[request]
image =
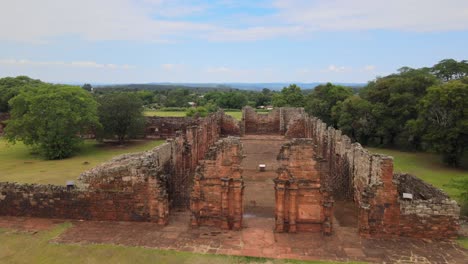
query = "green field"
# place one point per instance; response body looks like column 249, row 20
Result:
column 236, row 114
column 17, row 164
column 427, row 166
column 22, row 247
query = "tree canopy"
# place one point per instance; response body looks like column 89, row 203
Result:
column 121, row 116
column 289, row 96
column 11, row 86
column 51, row 118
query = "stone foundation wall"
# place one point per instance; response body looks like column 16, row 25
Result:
column 430, row 213
column 137, row 187
column 216, row 197
column 366, row 178
column 166, row 127
column 274, row 122
column 303, row 203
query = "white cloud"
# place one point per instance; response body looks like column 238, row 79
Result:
column 406, row 15
column 81, row 64
column 166, row 21
column 370, row 68
column 334, row 68
column 172, row 66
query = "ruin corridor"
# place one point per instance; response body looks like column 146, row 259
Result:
column 259, row 192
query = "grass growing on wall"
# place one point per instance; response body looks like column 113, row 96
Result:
column 17, row 164
column 22, row 247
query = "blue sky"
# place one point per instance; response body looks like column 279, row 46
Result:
column 138, row 41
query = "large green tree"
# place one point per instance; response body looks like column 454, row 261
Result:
column 121, row 116
column 355, row 118
column 450, row 69
column 444, row 119
column 321, row 100
column 289, row 96
column 51, row 118
column 394, row 99
column 11, row 86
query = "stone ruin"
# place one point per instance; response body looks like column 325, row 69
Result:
column 198, row 169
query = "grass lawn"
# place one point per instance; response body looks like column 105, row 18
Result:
column 427, row 166
column 22, row 247
column 164, row 113
column 236, row 114
column 17, row 164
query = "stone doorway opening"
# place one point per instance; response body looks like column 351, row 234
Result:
column 259, row 193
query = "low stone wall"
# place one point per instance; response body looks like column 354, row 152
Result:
column 166, row 127
column 216, row 197
column 430, row 213
column 366, row 178
column 303, row 203
column 134, row 187
column 127, row 188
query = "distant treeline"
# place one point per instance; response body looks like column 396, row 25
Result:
column 422, row 109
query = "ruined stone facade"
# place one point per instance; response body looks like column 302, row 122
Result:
column 368, row 179
column 198, row 170
column 303, row 202
column 216, row 198
column 166, row 127
column 274, row 122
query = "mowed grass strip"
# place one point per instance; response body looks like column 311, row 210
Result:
column 23, row 247
column 427, row 166
column 236, row 114
column 17, row 164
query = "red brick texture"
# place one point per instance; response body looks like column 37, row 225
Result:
column 302, row 202
column 136, row 187
column 217, row 194
column 353, row 173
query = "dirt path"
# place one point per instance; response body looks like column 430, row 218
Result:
column 259, row 192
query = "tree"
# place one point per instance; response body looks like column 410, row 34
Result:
column 197, row 111
column 450, row 69
column 51, row 119
column 444, row 118
column 232, row 100
column 321, row 100
column 355, row 118
column 290, row 96
column 87, row 87
column 121, row 116
column 394, row 99
column 10, row 87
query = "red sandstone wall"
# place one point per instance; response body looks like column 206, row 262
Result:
column 139, row 187
column 216, row 197
column 166, row 127
column 302, row 202
column 230, row 126
column 255, row 123
column 368, row 179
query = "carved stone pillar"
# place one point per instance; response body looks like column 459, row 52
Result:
column 293, row 189
column 225, row 203
column 237, row 203
column 280, row 195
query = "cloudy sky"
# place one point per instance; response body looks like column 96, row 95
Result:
column 122, row 41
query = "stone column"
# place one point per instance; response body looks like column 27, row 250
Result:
column 237, row 203
column 225, row 203
column 293, row 189
column 279, row 214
